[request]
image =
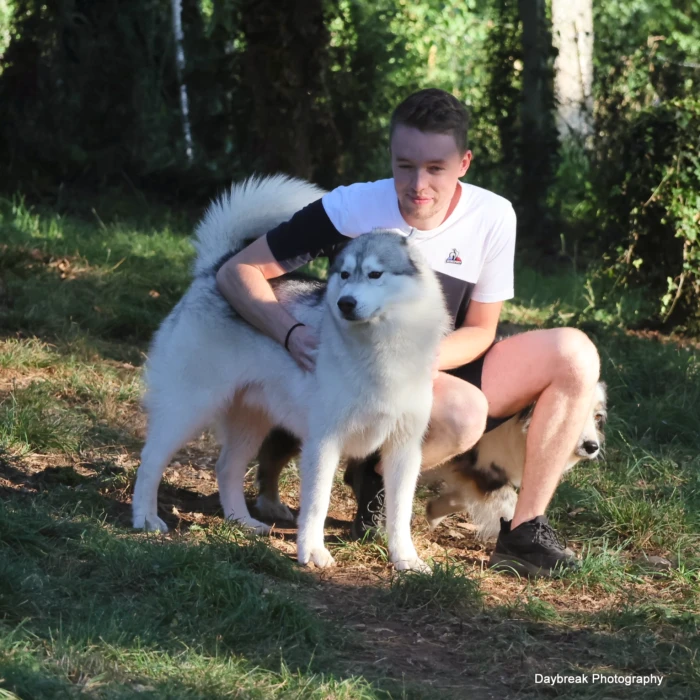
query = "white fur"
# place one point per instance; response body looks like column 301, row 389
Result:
column 372, row 387
column 504, row 446
column 268, row 201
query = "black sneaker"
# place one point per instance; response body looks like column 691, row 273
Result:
column 532, row 549
column 368, row 487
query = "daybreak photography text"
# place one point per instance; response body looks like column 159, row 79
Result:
column 593, row 678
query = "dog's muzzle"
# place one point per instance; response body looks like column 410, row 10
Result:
column 347, row 305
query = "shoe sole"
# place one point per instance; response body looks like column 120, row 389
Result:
column 509, row 563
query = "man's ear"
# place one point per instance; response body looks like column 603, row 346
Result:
column 466, row 162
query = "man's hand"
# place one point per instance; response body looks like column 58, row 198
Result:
column 303, row 344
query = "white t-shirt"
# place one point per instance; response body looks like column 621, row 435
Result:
column 475, row 244
column 472, row 251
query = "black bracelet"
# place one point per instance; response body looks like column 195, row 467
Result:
column 289, row 332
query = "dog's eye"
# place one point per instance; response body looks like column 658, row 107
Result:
column 600, row 419
column 374, row 275
column 344, row 275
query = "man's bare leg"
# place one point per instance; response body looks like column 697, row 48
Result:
column 558, row 368
column 457, row 420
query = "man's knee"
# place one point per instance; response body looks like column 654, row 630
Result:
column 577, row 357
column 462, row 416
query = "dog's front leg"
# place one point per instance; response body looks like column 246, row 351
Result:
column 319, row 460
column 401, row 465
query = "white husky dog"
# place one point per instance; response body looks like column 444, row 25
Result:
column 380, row 320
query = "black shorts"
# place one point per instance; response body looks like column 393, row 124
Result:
column 471, row 373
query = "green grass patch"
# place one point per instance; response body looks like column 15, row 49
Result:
column 64, row 416
column 82, row 607
column 447, row 588
column 114, row 280
column 33, row 419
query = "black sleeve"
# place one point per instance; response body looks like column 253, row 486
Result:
column 307, row 235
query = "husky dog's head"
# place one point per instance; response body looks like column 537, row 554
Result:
column 592, row 439
column 372, row 274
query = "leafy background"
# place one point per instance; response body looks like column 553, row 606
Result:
column 89, row 98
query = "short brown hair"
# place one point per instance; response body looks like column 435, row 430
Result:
column 434, row 111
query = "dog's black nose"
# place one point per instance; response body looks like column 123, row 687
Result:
column 347, row 305
column 591, row 446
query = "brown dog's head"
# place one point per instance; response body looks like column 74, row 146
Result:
column 590, row 444
column 592, row 439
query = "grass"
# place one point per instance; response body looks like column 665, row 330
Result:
column 89, row 608
column 448, row 587
column 85, row 607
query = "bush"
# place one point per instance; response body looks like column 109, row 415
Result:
column 646, row 170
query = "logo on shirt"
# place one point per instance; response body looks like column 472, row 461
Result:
column 453, row 257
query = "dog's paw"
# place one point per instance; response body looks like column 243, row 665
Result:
column 273, row 511
column 319, row 557
column 433, row 522
column 412, row 564
column 149, row 523
column 430, row 515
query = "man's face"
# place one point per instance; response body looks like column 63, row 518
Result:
column 426, row 168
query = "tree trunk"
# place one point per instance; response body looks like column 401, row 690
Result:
column 176, row 6
column 539, row 138
column 284, row 68
column 572, row 24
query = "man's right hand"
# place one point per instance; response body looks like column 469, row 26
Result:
column 303, row 344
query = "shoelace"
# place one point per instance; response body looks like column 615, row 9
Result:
column 376, row 505
column 545, row 535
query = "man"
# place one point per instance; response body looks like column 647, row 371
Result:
column 468, row 236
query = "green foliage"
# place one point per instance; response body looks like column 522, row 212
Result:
column 382, row 51
column 646, row 163
column 500, row 114
column 661, row 247
column 6, row 9
column 88, row 91
column 91, row 95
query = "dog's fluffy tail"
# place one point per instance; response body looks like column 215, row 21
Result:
column 247, row 211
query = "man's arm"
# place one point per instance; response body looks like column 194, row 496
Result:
column 243, row 279
column 495, row 284
column 473, row 338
